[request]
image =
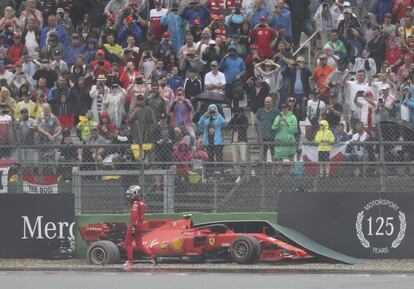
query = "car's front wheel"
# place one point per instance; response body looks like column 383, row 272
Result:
column 103, row 252
column 245, row 250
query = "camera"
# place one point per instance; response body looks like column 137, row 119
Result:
column 381, row 100
column 211, row 112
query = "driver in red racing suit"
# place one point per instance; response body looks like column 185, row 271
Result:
column 134, row 196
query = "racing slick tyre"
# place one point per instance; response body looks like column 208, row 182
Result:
column 245, row 250
column 103, row 252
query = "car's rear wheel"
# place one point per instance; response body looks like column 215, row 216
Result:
column 103, row 252
column 245, row 250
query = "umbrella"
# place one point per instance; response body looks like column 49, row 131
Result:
column 213, row 97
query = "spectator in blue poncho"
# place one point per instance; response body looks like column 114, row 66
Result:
column 71, row 51
column 175, row 26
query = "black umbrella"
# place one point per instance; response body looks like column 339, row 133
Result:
column 212, row 97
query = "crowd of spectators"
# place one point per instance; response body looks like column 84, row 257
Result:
column 130, row 72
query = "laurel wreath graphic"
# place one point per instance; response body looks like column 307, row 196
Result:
column 401, row 234
column 360, row 234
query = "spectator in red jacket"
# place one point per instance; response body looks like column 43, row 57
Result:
column 100, row 66
column 15, row 51
column 106, row 127
column 262, row 35
column 182, row 154
column 129, row 75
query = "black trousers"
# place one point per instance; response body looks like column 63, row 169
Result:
column 215, row 154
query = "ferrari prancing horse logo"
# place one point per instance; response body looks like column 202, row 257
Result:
column 211, row 241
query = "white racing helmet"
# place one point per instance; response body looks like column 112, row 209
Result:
column 134, row 192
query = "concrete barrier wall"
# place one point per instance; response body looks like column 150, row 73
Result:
column 83, row 220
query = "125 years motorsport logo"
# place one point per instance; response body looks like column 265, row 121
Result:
column 381, row 226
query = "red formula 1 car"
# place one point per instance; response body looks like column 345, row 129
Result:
column 179, row 240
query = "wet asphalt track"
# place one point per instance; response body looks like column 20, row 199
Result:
column 183, row 280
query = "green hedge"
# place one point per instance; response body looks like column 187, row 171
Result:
column 83, row 220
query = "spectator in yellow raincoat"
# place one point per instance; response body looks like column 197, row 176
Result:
column 324, row 139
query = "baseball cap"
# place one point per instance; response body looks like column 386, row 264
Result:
column 166, row 34
column 163, row 116
column 235, row 35
column 179, row 89
column 214, row 63
column 323, row 55
column 24, row 110
column 101, row 77
column 232, row 47
column 140, row 97
column 284, row 104
column 348, row 10
column 100, row 52
column 60, row 10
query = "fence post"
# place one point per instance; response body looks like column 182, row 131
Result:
column 263, row 171
column 215, row 196
column 76, row 189
column 381, row 159
column 169, row 191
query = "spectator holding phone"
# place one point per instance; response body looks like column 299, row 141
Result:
column 366, row 105
column 285, row 126
column 313, row 112
column 211, row 124
column 100, row 66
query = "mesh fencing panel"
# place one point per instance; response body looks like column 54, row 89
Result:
column 189, row 175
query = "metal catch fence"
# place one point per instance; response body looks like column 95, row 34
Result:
column 233, row 177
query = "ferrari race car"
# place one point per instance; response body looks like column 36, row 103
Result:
column 179, row 240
